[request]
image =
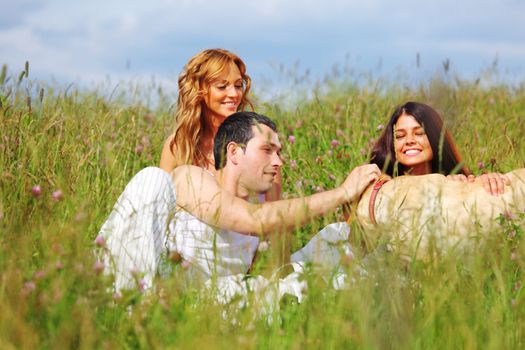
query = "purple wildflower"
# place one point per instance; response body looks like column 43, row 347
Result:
column 98, row 267
column 185, row 264
column 139, row 149
column 141, row 285
column 57, row 195
column 28, row 287
column 100, row 241
column 36, row 191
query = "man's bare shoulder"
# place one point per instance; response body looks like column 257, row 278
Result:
column 187, row 169
column 193, row 171
column 194, row 177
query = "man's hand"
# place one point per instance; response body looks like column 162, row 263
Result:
column 359, row 179
column 493, row 183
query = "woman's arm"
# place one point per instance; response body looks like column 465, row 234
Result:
column 199, row 193
column 167, row 160
column 493, row 183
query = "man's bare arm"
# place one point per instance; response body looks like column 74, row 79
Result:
column 200, row 194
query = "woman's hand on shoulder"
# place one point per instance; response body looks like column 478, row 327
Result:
column 461, row 177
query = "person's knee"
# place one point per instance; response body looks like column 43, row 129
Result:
column 149, row 173
column 150, row 184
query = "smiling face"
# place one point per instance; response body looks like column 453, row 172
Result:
column 412, row 147
column 260, row 161
column 224, row 94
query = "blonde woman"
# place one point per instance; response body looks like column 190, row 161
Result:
column 213, row 85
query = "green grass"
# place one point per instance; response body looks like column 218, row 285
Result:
column 89, row 146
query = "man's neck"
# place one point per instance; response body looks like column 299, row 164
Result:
column 230, row 182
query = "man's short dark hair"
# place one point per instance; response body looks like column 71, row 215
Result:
column 237, row 128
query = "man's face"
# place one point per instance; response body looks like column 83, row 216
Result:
column 260, row 161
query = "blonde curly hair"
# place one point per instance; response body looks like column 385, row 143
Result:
column 194, row 81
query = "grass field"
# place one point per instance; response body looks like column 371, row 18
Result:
column 67, row 153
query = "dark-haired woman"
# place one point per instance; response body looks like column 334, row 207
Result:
column 414, row 142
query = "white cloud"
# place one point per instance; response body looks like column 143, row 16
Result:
column 88, row 40
column 476, row 47
column 28, row 47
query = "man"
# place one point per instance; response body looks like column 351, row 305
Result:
column 421, row 213
column 246, row 152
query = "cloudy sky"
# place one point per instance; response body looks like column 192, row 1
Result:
column 87, row 41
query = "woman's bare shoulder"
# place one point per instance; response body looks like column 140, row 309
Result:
column 167, row 159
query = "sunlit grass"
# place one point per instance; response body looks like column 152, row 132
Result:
column 88, row 145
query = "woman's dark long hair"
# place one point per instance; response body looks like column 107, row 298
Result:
column 446, row 159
